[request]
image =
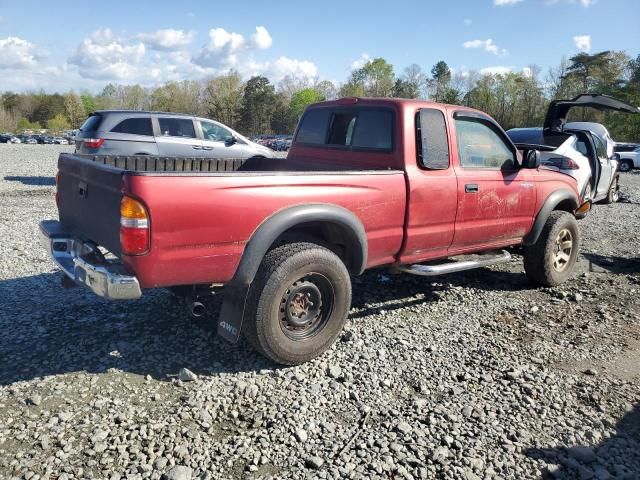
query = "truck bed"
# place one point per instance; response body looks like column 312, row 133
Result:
column 203, row 211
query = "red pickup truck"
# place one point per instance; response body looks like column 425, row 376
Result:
column 413, row 185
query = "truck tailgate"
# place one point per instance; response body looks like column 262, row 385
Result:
column 89, row 196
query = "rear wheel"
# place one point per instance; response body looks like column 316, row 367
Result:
column 550, row 261
column 298, row 303
column 613, row 195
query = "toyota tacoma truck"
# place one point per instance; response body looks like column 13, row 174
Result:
column 420, row 187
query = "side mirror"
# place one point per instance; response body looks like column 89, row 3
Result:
column 532, row 159
column 232, row 140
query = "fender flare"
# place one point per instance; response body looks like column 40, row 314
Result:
column 549, row 205
column 235, row 294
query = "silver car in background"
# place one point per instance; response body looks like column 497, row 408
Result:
column 134, row 132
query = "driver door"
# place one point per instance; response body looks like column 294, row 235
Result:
column 496, row 198
column 219, row 142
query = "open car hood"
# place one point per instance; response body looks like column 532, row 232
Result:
column 558, row 109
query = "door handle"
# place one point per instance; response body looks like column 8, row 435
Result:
column 471, row 188
column 196, row 147
column 207, row 148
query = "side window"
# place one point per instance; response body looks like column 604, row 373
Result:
column 432, row 142
column 134, row 126
column 214, row 132
column 601, row 150
column 176, row 127
column 480, row 147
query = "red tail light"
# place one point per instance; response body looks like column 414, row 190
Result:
column 568, row 164
column 134, row 227
column 93, row 142
column 563, row 163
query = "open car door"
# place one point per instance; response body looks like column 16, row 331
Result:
column 558, row 109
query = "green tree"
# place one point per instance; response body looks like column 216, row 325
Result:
column 74, row 109
column 89, row 103
column 374, row 79
column 302, row 99
column 441, row 77
column 58, row 123
column 223, row 98
column 25, row 124
column 258, row 105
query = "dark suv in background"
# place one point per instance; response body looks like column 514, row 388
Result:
column 132, row 132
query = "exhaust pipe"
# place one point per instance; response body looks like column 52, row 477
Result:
column 197, row 309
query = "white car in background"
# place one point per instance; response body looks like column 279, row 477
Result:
column 583, row 150
column 629, row 156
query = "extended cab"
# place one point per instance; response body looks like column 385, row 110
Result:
column 408, row 184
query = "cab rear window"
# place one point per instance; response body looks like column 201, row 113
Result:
column 351, row 128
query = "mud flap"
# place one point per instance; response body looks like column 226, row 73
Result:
column 232, row 312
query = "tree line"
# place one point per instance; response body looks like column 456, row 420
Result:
column 256, row 106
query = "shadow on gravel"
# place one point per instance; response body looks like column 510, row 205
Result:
column 615, row 457
column 612, row 264
column 394, row 292
column 37, row 181
column 47, row 330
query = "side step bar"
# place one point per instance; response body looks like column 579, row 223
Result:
column 452, row 267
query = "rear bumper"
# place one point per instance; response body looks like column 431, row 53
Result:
column 83, row 263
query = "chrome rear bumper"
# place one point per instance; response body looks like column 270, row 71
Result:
column 83, row 263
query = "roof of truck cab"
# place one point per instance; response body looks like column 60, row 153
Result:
column 411, row 103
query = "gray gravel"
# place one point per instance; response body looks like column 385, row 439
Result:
column 469, row 376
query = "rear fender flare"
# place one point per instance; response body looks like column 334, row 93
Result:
column 549, row 205
column 235, row 294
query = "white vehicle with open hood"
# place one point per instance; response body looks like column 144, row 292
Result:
column 583, row 150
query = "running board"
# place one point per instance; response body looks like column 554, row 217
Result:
column 452, row 267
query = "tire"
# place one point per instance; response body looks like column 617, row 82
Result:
column 613, row 195
column 542, row 261
column 625, row 166
column 298, row 303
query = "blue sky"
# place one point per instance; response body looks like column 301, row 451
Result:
column 78, row 45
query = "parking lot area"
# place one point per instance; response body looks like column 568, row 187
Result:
column 469, row 376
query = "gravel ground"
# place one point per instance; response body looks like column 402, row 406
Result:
column 469, row 376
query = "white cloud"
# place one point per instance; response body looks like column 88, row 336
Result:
column 16, row 53
column 497, row 70
column 230, row 50
column 104, row 56
column 527, row 72
column 261, row 39
column 167, row 39
column 583, row 42
column 467, row 21
column 486, row 45
column 360, row 62
column 502, row 3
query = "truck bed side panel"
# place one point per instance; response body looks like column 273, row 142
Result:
column 201, row 223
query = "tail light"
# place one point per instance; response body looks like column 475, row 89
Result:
column 564, row 163
column 134, row 227
column 93, row 142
